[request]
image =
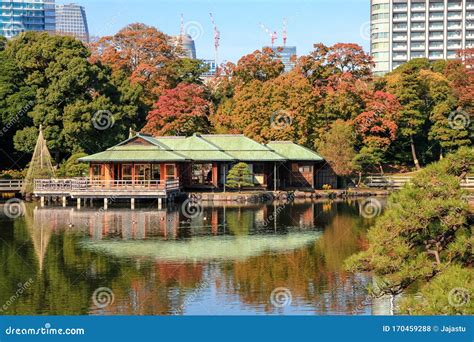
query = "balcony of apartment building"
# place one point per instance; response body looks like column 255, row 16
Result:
column 417, row 46
column 452, row 54
column 418, row 26
column 417, row 54
column 418, row 36
column 454, row 34
column 400, row 8
column 436, row 35
column 400, row 27
column 399, row 46
column 399, row 37
column 455, row 6
column 436, row 26
column 418, row 7
column 454, row 45
column 435, row 55
column 454, row 25
column 417, row 17
column 469, row 34
column 436, row 7
column 455, row 15
column 436, row 47
column 436, row 16
column 399, row 56
column 400, row 17
column 470, row 15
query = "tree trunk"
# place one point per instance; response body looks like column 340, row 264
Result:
column 413, row 153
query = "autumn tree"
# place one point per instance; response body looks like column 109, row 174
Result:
column 183, row 110
column 377, row 124
column 337, row 146
column 279, row 109
column 143, row 53
column 260, row 65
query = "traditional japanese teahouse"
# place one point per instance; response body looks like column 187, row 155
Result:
column 203, row 161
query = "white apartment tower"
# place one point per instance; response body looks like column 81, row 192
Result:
column 402, row 30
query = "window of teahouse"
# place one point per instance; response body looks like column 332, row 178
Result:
column 127, row 172
column 155, row 171
column 170, row 171
column 142, row 172
column 98, row 172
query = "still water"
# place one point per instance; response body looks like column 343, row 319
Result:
column 221, row 260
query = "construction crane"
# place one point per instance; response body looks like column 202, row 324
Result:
column 217, row 37
column 181, row 30
column 284, row 32
column 273, row 35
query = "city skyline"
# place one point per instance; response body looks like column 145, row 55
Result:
column 309, row 22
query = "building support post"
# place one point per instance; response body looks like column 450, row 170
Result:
column 42, row 201
column 106, row 203
column 64, row 202
column 160, row 203
column 132, row 203
column 275, row 176
column 78, row 203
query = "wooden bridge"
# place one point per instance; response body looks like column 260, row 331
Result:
column 397, row 182
column 12, row 186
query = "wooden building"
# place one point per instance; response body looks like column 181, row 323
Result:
column 203, row 161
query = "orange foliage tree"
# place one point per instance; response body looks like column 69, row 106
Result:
column 182, row 110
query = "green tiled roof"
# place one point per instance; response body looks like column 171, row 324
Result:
column 201, row 148
column 292, row 151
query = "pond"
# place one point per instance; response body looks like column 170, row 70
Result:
column 232, row 259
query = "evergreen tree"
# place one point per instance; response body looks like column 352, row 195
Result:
column 239, row 176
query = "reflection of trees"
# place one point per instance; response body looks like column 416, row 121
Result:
column 313, row 275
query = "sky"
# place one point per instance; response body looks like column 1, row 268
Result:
column 308, row 21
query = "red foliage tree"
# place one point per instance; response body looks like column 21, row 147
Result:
column 183, row 110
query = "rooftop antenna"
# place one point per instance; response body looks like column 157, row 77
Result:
column 273, row 35
column 284, row 33
column 217, row 37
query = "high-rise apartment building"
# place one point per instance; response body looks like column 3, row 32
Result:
column 18, row 16
column 402, row 30
column 71, row 20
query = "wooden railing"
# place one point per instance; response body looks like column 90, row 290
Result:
column 399, row 181
column 87, row 185
column 10, row 185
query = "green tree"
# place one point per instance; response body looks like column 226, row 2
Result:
column 337, row 146
column 73, row 168
column 423, row 232
column 72, row 98
column 239, row 176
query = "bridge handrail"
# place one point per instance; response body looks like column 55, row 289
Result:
column 85, row 184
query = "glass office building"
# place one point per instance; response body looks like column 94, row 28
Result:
column 287, row 54
column 71, row 20
column 402, row 30
column 18, row 16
